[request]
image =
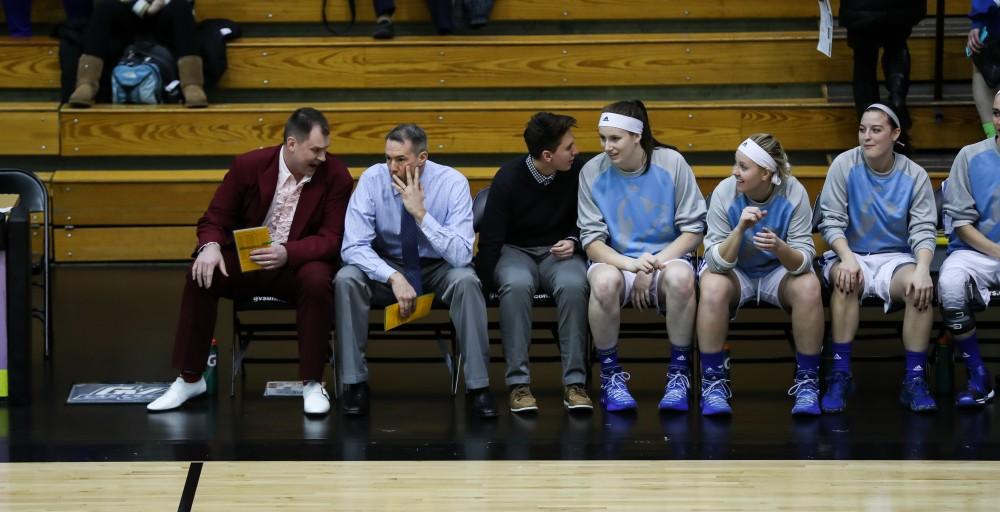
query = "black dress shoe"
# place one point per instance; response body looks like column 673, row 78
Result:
column 481, row 403
column 356, row 399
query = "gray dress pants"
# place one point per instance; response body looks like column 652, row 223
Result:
column 354, row 295
column 520, row 273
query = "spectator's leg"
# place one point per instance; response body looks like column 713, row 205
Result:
column 983, row 95
column 196, row 322
column 108, row 17
column 441, row 15
column 384, row 9
column 865, row 67
column 459, row 287
column 353, row 295
column 896, row 68
column 566, row 280
column 314, row 305
column 18, row 14
column 517, row 279
column 175, row 26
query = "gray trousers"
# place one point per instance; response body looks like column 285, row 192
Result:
column 520, row 273
column 354, row 295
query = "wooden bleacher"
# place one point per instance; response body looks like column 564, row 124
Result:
column 291, row 11
column 513, row 61
column 122, row 213
column 457, row 127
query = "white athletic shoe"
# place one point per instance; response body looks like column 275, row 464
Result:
column 178, row 393
column 315, row 399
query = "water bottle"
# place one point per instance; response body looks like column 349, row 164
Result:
column 211, row 375
column 944, row 365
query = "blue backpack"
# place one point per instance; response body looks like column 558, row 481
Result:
column 146, row 74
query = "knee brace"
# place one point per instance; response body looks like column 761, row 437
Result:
column 958, row 321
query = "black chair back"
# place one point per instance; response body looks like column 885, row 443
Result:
column 479, row 208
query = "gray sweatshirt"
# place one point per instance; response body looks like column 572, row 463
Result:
column 788, row 216
column 878, row 213
column 972, row 193
column 639, row 212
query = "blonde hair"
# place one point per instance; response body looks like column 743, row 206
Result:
column 770, row 144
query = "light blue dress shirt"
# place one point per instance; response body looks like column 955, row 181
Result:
column 371, row 228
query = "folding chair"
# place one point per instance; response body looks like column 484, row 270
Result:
column 33, row 193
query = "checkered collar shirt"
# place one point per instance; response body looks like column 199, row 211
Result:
column 539, row 177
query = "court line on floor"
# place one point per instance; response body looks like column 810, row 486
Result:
column 190, row 486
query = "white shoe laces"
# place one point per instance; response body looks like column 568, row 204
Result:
column 717, row 393
column 615, row 385
column 805, row 390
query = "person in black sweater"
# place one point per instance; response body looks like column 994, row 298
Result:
column 885, row 24
column 529, row 242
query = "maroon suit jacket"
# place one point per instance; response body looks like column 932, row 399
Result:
column 245, row 195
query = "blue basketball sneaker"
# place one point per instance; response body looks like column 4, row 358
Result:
column 675, row 393
column 806, row 393
column 980, row 389
column 614, row 391
column 838, row 385
column 715, row 395
column 917, row 395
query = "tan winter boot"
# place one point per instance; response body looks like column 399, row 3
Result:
column 88, row 76
column 192, row 81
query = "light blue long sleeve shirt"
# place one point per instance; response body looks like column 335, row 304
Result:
column 371, row 228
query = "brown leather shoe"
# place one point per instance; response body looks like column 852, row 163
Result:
column 521, row 399
column 575, row 398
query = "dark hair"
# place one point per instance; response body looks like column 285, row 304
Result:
column 300, row 124
column 545, row 131
column 635, row 109
column 409, row 132
column 901, row 145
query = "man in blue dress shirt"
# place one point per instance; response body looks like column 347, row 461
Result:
column 409, row 231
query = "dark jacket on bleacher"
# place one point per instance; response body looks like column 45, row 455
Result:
column 522, row 212
column 872, row 14
column 245, row 195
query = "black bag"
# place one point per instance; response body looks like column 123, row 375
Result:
column 987, row 61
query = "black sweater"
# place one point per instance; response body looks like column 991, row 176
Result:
column 520, row 211
column 875, row 14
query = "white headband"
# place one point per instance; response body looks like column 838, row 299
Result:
column 629, row 124
column 754, row 152
column 888, row 111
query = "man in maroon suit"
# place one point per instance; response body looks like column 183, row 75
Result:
column 300, row 193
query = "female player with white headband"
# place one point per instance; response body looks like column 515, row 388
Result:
column 877, row 212
column 640, row 215
column 759, row 247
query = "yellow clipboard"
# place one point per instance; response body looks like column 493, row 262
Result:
column 420, row 310
column 248, row 240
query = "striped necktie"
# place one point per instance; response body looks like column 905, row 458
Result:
column 408, row 237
